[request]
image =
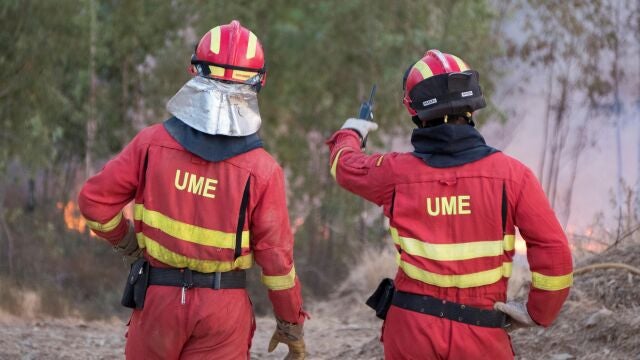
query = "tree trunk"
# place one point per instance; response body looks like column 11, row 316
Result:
column 92, row 122
column 618, row 119
column 545, row 139
column 557, row 143
column 7, row 233
column 579, row 146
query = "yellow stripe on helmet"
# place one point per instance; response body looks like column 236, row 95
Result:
column 424, row 69
column 215, row 40
column 252, row 45
column 243, row 75
column 461, row 64
column 216, row 70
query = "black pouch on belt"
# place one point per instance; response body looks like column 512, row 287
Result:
column 380, row 300
column 135, row 289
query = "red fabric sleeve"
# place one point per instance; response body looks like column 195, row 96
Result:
column 548, row 252
column 272, row 243
column 105, row 194
column 365, row 175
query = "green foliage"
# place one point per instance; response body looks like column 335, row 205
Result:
column 40, row 80
column 322, row 59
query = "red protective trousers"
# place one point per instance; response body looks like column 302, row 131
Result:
column 210, row 324
column 454, row 230
column 186, row 215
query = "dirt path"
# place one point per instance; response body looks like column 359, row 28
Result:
column 585, row 330
column 600, row 320
column 330, row 337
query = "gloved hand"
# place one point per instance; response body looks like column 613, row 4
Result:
column 518, row 313
column 361, row 126
column 293, row 336
column 128, row 247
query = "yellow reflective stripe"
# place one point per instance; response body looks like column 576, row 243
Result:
column 243, row 75
column 216, row 70
column 108, row 226
column 453, row 252
column 188, row 232
column 509, row 242
column 551, row 283
column 334, row 166
column 424, row 69
column 215, row 40
column 282, row 282
column 252, row 45
column 481, row 278
column 507, row 269
column 461, row 64
column 394, row 236
column 169, row 257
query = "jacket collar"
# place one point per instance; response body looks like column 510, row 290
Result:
column 207, row 146
column 449, row 145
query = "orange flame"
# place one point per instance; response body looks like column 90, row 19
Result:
column 72, row 217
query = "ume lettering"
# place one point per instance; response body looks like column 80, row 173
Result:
column 195, row 184
column 452, row 205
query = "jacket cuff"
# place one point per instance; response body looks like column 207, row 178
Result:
column 347, row 133
column 544, row 306
column 113, row 231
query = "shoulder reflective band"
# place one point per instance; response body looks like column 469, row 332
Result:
column 453, row 252
column 481, row 278
column 108, row 226
column 334, row 165
column 157, row 251
column 187, row 232
column 551, row 283
column 283, row 282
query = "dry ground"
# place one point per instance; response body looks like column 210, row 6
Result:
column 600, row 320
column 329, row 338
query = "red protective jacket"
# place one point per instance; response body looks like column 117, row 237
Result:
column 186, row 212
column 447, row 225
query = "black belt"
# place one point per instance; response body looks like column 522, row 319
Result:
column 187, row 278
column 450, row 310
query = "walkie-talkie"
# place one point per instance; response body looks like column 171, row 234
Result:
column 366, row 111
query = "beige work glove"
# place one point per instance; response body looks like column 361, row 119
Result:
column 293, row 336
column 128, row 247
column 517, row 312
column 363, row 127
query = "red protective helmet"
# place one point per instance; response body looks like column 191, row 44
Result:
column 230, row 53
column 441, row 84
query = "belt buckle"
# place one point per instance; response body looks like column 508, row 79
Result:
column 217, row 280
column 187, row 278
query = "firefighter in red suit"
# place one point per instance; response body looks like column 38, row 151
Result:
column 453, row 206
column 208, row 201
